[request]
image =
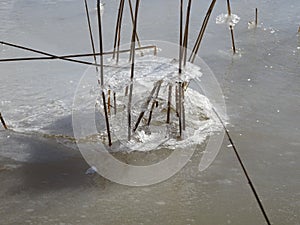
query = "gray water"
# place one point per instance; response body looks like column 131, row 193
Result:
column 42, row 176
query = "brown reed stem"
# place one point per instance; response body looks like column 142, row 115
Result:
column 186, row 32
column 119, row 32
column 64, row 57
column 101, row 72
column 179, row 108
column 201, row 32
column 169, row 103
column 256, row 17
column 108, row 101
column 132, row 21
column 154, row 102
column 228, row 8
column 119, row 19
column 183, row 108
column 3, row 122
column 90, row 32
column 180, row 37
column 115, row 103
column 146, row 104
column 232, row 39
column 132, row 53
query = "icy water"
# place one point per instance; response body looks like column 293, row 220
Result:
column 42, row 175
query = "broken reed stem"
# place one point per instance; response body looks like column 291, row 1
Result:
column 299, row 29
column 3, row 122
column 120, row 12
column 176, row 100
column 256, row 17
column 65, row 57
column 90, row 32
column 232, row 39
column 51, row 56
column 145, row 105
column 115, row 103
column 119, row 32
column 169, row 103
column 186, row 31
column 201, row 32
column 154, row 102
column 101, row 72
column 132, row 53
column 108, row 101
column 228, row 8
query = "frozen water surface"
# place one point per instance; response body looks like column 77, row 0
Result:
column 42, row 175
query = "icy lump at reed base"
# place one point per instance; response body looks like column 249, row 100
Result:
column 150, row 71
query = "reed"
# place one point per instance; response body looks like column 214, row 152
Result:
column 232, row 39
column 108, row 102
column 180, row 37
column 182, row 107
column 154, row 103
column 186, row 32
column 146, row 104
column 201, row 32
column 101, row 72
column 118, row 26
column 90, row 32
column 169, row 103
column 73, row 55
column 132, row 53
column 231, row 28
column 3, row 122
column 115, row 103
column 256, row 16
column 132, row 21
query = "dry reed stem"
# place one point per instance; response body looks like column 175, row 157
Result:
column 3, row 122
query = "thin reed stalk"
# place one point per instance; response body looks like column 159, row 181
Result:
column 145, row 105
column 201, row 32
column 115, row 103
column 118, row 26
column 90, row 32
column 256, row 16
column 132, row 21
column 228, row 8
column 232, row 39
column 186, row 32
column 3, row 122
column 179, row 108
column 154, row 102
column 169, row 103
column 132, row 53
column 101, row 73
column 180, row 37
column 74, row 55
column 182, row 107
column 108, row 101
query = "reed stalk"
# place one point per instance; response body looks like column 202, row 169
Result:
column 101, row 72
column 228, row 8
column 90, row 32
column 146, row 104
column 118, row 26
column 186, row 32
column 3, row 122
column 169, row 103
column 64, row 57
column 132, row 53
column 154, row 103
column 232, row 39
column 256, row 17
column 115, row 103
column 201, row 32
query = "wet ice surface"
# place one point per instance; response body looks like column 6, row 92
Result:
column 44, row 182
